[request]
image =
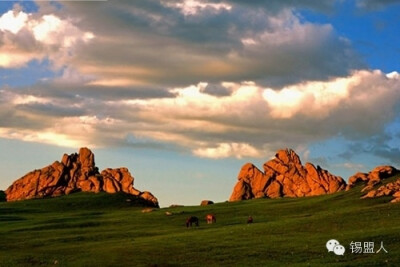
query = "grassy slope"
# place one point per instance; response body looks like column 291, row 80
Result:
column 105, row 230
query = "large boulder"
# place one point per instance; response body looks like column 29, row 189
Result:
column 285, row 176
column 75, row 173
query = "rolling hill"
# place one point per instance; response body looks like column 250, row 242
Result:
column 87, row 229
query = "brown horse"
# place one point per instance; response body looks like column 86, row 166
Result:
column 210, row 218
column 191, row 220
column 250, row 219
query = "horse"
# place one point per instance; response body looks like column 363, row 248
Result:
column 210, row 218
column 191, row 220
column 250, row 219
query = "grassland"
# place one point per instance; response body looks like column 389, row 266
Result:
column 105, row 230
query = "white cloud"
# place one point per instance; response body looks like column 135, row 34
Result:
column 319, row 97
column 20, row 99
column 13, row 21
column 193, row 7
column 27, row 99
column 48, row 25
column 48, row 36
column 45, row 137
column 51, row 30
column 225, row 150
column 66, row 132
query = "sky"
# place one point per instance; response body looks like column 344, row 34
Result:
column 184, row 92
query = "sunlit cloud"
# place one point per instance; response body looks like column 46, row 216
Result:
column 193, row 7
column 319, row 97
column 13, row 21
column 225, row 150
column 246, row 123
column 66, row 132
column 26, row 36
column 45, row 137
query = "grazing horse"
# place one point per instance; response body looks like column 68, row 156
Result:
column 250, row 219
column 210, row 218
column 191, row 220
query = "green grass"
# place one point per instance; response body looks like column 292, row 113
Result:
column 86, row 229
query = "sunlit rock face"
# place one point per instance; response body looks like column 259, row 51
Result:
column 76, row 172
column 285, row 176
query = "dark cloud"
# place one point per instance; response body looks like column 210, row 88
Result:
column 377, row 145
column 129, row 92
column 52, row 110
column 17, row 120
column 325, row 6
column 376, row 4
column 389, row 153
column 216, row 90
column 173, row 49
column 75, row 93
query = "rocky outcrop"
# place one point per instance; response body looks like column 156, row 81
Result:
column 206, row 202
column 390, row 189
column 76, row 172
column 285, row 176
column 374, row 178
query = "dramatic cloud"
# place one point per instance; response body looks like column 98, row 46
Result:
column 246, row 123
column 176, row 43
column 215, row 78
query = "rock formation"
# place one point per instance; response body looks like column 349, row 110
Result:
column 389, row 189
column 76, row 172
column 206, row 202
column 284, row 176
column 374, row 178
